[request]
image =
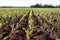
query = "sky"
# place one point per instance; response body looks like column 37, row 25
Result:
column 27, row 2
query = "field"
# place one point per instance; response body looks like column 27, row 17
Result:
column 29, row 23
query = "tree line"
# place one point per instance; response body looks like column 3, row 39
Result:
column 44, row 6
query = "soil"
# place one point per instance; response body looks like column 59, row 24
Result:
column 37, row 33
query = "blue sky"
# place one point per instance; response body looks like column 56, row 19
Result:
column 27, row 2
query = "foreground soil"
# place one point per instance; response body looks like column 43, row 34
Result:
column 39, row 32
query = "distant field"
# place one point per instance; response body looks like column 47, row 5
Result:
column 29, row 23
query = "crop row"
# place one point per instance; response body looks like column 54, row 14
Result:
column 29, row 24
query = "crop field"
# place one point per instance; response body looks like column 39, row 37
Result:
column 29, row 23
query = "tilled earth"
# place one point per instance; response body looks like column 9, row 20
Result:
column 40, row 32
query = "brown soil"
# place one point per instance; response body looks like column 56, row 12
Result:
column 37, row 34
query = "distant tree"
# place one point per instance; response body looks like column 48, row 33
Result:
column 44, row 6
column 59, row 6
column 48, row 6
column 37, row 5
